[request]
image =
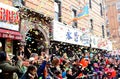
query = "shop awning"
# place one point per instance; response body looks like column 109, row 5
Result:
column 10, row 34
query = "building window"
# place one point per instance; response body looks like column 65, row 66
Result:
column 108, row 33
column 103, row 33
column 18, row 3
column 107, row 21
column 74, row 15
column 118, row 16
column 91, row 23
column 90, row 4
column 119, row 30
column 118, row 5
column 101, row 10
column 57, row 10
column 106, row 8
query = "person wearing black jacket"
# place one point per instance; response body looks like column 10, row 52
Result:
column 70, row 75
column 7, row 69
column 31, row 73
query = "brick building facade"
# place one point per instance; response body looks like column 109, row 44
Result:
column 63, row 12
column 113, row 22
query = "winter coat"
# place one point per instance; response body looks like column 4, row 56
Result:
column 41, row 69
column 8, row 71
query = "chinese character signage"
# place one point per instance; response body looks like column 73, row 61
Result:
column 9, row 17
column 76, row 36
column 85, row 39
column 101, row 43
column 94, row 41
column 68, row 34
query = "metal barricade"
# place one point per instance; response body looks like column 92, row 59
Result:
column 97, row 76
column 92, row 76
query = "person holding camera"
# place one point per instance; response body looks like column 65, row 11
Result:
column 7, row 70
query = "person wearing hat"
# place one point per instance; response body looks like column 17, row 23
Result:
column 8, row 70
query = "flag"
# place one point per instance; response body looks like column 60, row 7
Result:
column 85, row 12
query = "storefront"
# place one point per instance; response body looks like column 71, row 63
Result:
column 66, row 39
column 9, row 28
column 35, row 30
column 100, row 44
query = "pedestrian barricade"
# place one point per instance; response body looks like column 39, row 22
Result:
column 97, row 76
column 92, row 76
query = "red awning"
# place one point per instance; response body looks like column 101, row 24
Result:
column 10, row 34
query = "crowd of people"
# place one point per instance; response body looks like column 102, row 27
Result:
column 44, row 66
